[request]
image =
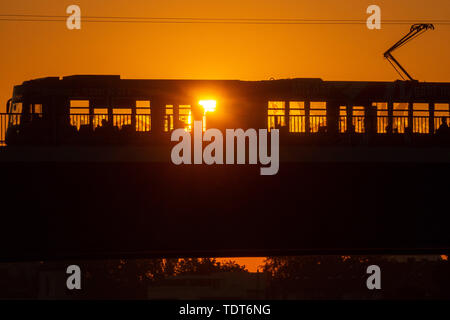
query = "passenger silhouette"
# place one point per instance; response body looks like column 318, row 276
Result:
column 389, row 129
column 106, row 126
column 106, row 132
column 443, row 128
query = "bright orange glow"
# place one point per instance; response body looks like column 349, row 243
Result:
column 208, row 105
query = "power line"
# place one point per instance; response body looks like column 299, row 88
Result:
column 216, row 22
column 191, row 20
column 217, row 19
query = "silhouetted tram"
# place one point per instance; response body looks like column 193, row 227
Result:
column 107, row 109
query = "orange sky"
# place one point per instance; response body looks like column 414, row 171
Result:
column 252, row 264
column 215, row 51
column 38, row 49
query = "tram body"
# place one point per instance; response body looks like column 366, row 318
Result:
column 45, row 110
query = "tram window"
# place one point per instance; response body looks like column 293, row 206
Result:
column 382, row 108
column 16, row 108
column 168, row 118
column 382, row 116
column 297, row 116
column 319, row 107
column 121, row 111
column 37, row 110
column 358, row 110
column 358, row 119
column 420, row 109
column 400, row 119
column 342, row 119
column 100, row 114
column 15, row 113
column 121, row 117
column 143, row 104
column 185, row 116
column 79, row 105
column 79, row 113
column 318, row 115
column 400, row 109
column 297, row 108
column 275, row 114
column 420, row 117
column 143, row 115
column 440, row 110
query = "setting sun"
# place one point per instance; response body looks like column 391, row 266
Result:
column 208, row 105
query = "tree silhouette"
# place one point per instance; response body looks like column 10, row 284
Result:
column 131, row 278
column 206, row 266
